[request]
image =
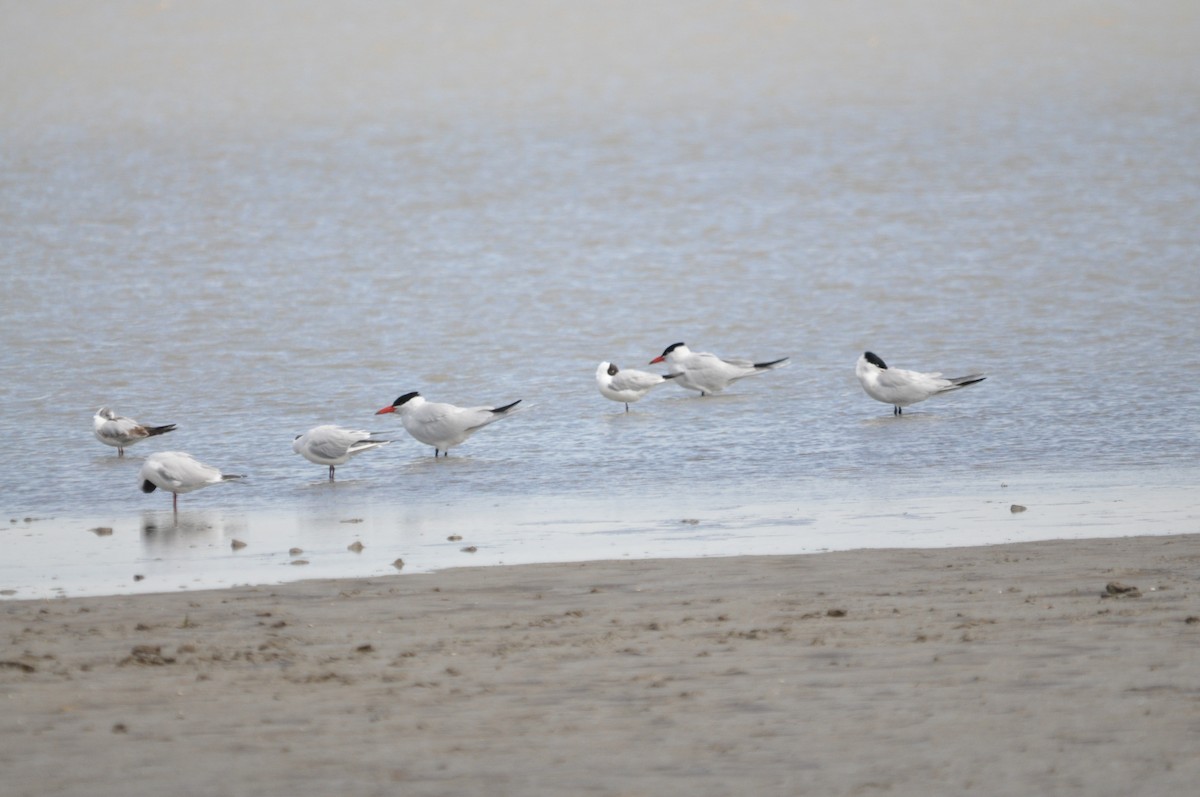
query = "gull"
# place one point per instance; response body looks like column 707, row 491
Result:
column 626, row 386
column 333, row 445
column 119, row 431
column 706, row 372
column 901, row 388
column 177, row 473
column 443, row 426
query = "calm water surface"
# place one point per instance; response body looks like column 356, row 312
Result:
column 252, row 221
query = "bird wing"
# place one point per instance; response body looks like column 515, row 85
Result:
column 433, row 423
column 737, row 362
column 367, row 445
column 635, row 380
column 332, row 442
column 705, row 367
column 911, row 384
column 121, row 428
column 182, row 471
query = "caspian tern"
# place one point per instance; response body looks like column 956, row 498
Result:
column 116, row 430
column 177, row 473
column 901, row 388
column 443, row 426
column 333, row 445
column 626, row 386
column 706, row 372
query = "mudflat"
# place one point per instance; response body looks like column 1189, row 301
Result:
column 1060, row 667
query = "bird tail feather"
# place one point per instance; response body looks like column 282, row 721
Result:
column 958, row 382
column 505, row 408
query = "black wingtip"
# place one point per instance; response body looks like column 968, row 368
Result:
column 505, row 408
column 156, row 430
column 771, row 364
column 148, row 486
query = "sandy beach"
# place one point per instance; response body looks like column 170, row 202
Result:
column 998, row 670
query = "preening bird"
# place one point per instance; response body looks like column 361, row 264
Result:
column 902, row 388
column 627, row 385
column 119, row 431
column 333, row 445
column 178, row 472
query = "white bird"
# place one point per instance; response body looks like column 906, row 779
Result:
column 443, row 426
column 706, row 372
column 177, row 473
column 119, row 431
column 901, row 388
column 333, row 445
column 626, row 386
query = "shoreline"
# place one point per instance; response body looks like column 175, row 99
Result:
column 158, row 552
column 1000, row 669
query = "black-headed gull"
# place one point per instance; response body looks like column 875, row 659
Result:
column 177, row 472
column 443, row 426
column 333, row 445
column 706, row 372
column 902, row 388
column 627, row 385
column 119, row 431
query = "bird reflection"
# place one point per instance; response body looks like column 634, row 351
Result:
column 166, row 530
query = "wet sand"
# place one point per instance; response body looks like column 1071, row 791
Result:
column 997, row 670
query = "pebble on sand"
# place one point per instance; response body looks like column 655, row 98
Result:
column 398, row 564
column 102, row 531
column 355, row 546
column 237, row 545
column 1015, row 508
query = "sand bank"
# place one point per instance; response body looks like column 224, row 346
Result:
column 996, row 670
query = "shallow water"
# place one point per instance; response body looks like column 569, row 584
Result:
column 252, row 221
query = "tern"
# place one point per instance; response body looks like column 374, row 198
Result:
column 443, row 426
column 706, row 372
column 901, row 388
column 116, row 430
column 333, row 445
column 626, row 386
column 177, row 472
